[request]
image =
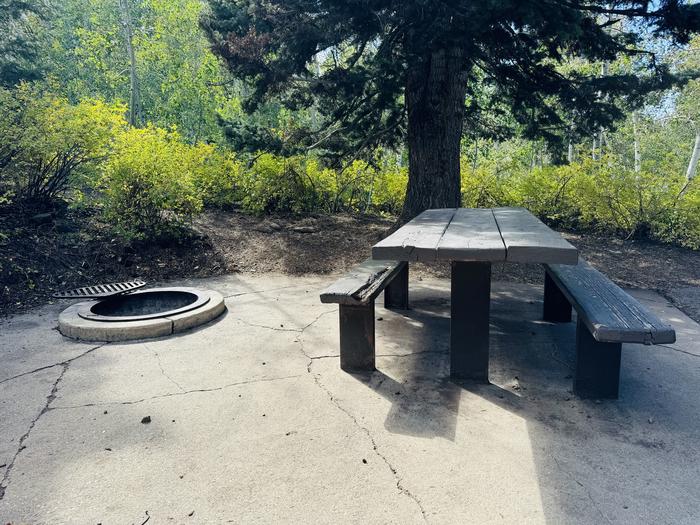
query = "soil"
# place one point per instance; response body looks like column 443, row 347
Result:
column 45, row 254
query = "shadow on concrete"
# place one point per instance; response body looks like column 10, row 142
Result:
column 622, row 460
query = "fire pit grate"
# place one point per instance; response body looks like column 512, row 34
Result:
column 100, row 290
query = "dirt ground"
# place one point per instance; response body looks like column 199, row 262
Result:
column 37, row 259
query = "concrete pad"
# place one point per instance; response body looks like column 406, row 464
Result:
column 252, row 421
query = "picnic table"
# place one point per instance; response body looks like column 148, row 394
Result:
column 472, row 239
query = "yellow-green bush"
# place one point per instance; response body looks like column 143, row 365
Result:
column 486, row 184
column 218, row 178
column 603, row 195
column 302, row 185
column 49, row 146
column 547, row 192
column 272, row 183
column 680, row 222
column 389, row 189
column 148, row 188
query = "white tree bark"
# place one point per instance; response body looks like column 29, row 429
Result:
column 602, row 139
column 637, row 153
column 694, row 158
column 314, row 110
column 135, row 91
column 570, row 152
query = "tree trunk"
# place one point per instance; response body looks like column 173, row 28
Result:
column 135, row 90
column 637, row 153
column 435, row 94
column 693, row 164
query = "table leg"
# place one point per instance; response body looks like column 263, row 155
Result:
column 469, row 325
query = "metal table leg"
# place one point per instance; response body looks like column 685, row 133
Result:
column 469, row 326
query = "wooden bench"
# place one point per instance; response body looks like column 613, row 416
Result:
column 355, row 293
column 606, row 317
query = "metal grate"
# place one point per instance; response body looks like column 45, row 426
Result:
column 100, row 290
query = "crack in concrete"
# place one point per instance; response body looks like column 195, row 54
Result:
column 267, row 327
column 316, row 319
column 679, row 350
column 175, row 394
column 263, row 291
column 4, row 483
column 282, row 328
column 20, row 447
column 316, row 377
column 162, row 370
column 30, row 372
column 553, row 355
column 47, row 367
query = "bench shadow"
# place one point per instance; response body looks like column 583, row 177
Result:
column 413, row 370
column 580, row 449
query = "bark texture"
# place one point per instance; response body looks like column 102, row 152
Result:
column 435, row 94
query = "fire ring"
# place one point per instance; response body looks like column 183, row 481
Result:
column 155, row 312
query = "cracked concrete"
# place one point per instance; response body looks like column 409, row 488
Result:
column 252, row 420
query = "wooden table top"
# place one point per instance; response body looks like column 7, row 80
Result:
column 476, row 234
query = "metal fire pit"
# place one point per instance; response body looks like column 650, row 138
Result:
column 147, row 304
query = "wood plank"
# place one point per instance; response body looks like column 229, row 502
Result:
column 417, row 240
column 363, row 283
column 528, row 240
column 610, row 313
column 472, row 235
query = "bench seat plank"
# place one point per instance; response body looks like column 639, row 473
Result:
column 528, row 240
column 610, row 313
column 472, row 235
column 363, row 283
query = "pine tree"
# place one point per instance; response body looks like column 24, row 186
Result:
column 417, row 69
column 19, row 47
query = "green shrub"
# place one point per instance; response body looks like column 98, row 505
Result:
column 148, row 189
column 218, row 176
column 272, row 183
column 48, row 146
column 303, row 185
column 547, row 192
column 606, row 195
column 389, row 189
column 680, row 222
column 613, row 198
column 487, row 184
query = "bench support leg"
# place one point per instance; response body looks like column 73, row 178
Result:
column 357, row 337
column 396, row 294
column 597, row 366
column 469, row 324
column 557, row 308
